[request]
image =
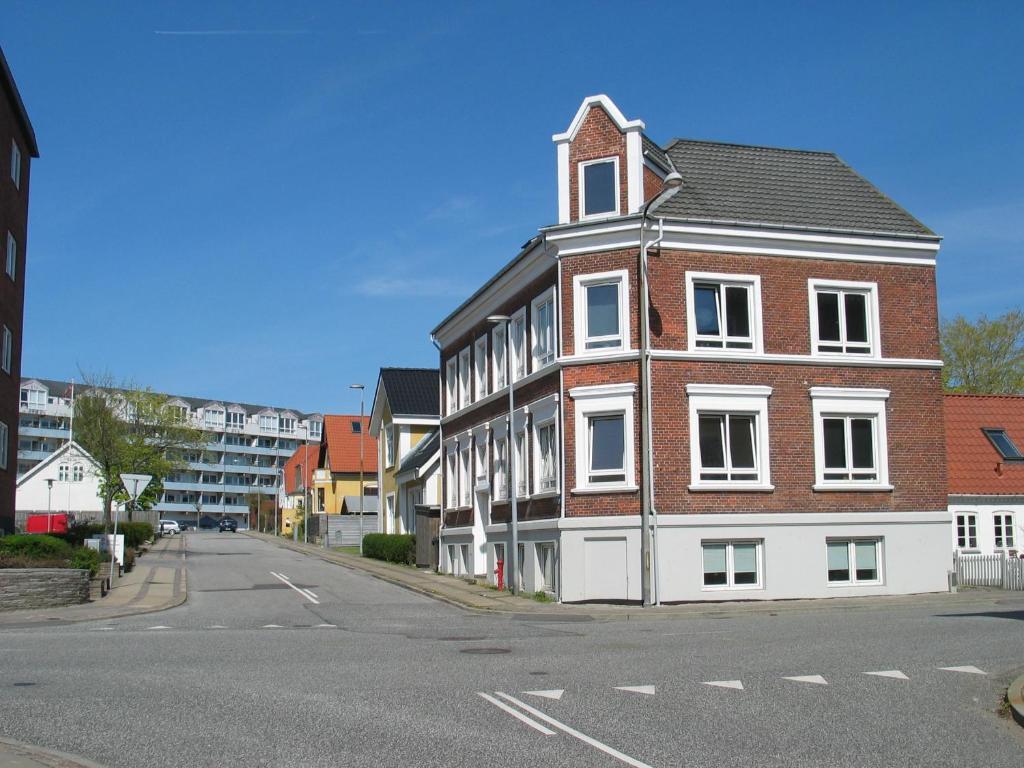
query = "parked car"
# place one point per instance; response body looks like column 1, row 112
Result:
column 186, row 526
column 169, row 527
column 227, row 524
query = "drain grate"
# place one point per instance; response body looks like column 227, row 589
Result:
column 485, row 651
column 23, row 685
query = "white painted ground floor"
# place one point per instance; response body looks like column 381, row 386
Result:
column 716, row 557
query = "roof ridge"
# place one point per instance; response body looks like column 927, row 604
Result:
column 680, row 140
column 985, row 395
column 407, row 368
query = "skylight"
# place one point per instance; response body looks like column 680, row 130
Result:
column 1002, row 442
column 357, row 427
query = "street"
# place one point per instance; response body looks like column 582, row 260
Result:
column 278, row 659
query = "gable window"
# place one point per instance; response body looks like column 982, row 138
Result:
column 1002, row 443
column 517, row 331
column 522, row 479
column 77, row 473
column 480, row 367
column 236, row 420
column 500, row 482
column 601, row 310
column 287, row 425
column 213, row 419
column 33, row 398
column 546, row 457
column 724, row 311
column 599, row 187
column 451, row 384
column 498, row 365
column 315, row 429
column 1003, row 530
column 844, row 318
column 8, row 349
column 63, row 473
column 268, row 423
column 389, row 445
column 15, row 163
column 967, row 531
column 731, row 564
column 604, row 438
column 544, row 329
column 729, row 436
column 850, row 438
column 853, row 561
column 12, row 256
column 465, row 390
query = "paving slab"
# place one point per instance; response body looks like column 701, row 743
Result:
column 15, row 754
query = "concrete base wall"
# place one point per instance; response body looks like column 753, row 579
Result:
column 42, row 587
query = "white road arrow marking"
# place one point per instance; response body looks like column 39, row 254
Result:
column 736, row 684
column 271, row 626
column 331, row 626
column 895, row 674
column 647, row 690
column 969, row 669
column 517, row 714
column 553, row 694
column 158, row 627
column 816, row 679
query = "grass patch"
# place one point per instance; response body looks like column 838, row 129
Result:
column 347, row 550
column 542, row 597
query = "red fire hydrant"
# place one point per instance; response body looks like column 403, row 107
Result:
column 500, row 573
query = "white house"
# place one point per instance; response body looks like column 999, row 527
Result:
column 67, row 481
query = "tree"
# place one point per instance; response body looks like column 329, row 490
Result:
column 128, row 429
column 984, row 357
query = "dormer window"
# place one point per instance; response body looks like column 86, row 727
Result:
column 1002, row 443
column 599, row 188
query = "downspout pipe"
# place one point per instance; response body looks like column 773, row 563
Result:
column 670, row 186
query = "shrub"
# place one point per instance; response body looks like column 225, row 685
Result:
column 129, row 558
column 79, row 533
column 135, row 533
column 37, row 546
column 23, row 561
column 87, row 559
column 391, row 547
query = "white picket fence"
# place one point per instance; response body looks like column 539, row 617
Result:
column 989, row 571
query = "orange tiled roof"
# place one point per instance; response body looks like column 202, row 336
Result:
column 975, row 466
column 296, row 460
column 342, row 445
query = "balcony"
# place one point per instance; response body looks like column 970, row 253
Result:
column 27, row 455
column 321, row 475
column 61, row 434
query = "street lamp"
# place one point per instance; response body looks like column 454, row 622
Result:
column 511, row 558
column 362, row 394
column 49, row 493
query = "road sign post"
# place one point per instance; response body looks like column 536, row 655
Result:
column 134, row 485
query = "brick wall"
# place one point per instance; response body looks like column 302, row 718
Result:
column 597, row 138
column 591, row 263
column 22, row 588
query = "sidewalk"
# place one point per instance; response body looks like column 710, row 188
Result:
column 157, row 582
column 472, row 596
column 14, row 754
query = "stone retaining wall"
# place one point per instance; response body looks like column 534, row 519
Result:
column 42, row 587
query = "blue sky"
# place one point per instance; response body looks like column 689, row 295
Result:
column 268, row 201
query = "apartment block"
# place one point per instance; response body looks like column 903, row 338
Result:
column 723, row 369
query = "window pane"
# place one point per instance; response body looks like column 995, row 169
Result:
column 744, row 557
column 705, row 309
column 838, row 561
column 599, row 188
column 828, row 316
column 712, row 452
column 603, row 310
column 741, row 441
column 737, row 314
column 835, row 443
column 714, row 564
column 1006, row 447
column 866, row 556
column 856, row 317
column 607, row 442
column 862, row 440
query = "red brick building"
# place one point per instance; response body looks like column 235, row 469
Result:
column 17, row 148
column 726, row 385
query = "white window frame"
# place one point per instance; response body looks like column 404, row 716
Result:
column 852, row 561
column 465, row 475
column 235, row 420
column 872, row 320
column 499, row 364
column 480, row 367
column 15, row 163
column 63, row 473
column 551, row 548
column 314, row 428
column 970, row 526
column 77, row 473
column 213, row 419
column 452, row 477
column 604, row 400
column 269, row 422
column 723, row 280
column 8, row 350
column 520, row 448
column 389, row 444
column 542, row 357
column 739, row 400
column 4, row 439
column 12, row 257
column 582, row 186
column 730, row 564
column 827, row 402
column 580, row 283
column 519, row 351
column 451, row 383
column 465, row 379
column 499, row 482
column 538, row 464
column 1003, row 521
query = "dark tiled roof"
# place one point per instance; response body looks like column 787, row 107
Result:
column 779, row 187
column 421, row 454
column 975, row 466
column 656, row 153
column 412, row 391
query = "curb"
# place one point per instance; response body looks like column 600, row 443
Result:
column 47, row 757
column 1015, row 697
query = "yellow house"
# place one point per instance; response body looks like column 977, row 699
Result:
column 338, row 465
column 405, row 413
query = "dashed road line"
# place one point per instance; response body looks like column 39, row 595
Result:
column 895, row 674
column 815, row 679
column 734, row 684
column 160, row 626
column 573, row 732
column 555, row 694
column 517, row 714
column 646, row 690
column 969, row 669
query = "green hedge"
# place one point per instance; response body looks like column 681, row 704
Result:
column 87, row 559
column 392, row 547
column 79, row 533
column 135, row 533
column 39, row 546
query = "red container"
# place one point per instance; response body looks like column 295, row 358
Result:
column 47, row 523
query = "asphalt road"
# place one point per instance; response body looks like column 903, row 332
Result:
column 278, row 659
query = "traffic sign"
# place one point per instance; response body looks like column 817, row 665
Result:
column 135, row 484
